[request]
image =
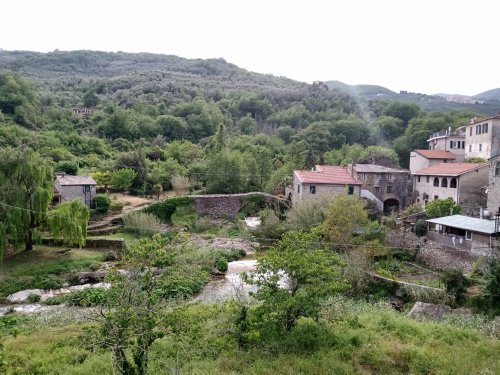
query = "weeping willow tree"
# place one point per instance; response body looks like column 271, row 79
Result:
column 68, row 222
column 26, row 190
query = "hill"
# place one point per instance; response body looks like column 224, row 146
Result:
column 493, row 94
column 437, row 102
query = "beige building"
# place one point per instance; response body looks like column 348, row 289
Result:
column 420, row 159
column 449, row 140
column 482, row 137
column 67, row 188
column 330, row 180
column 465, row 183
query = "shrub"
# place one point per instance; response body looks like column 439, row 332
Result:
column 455, row 282
column 165, row 208
column 421, row 228
column 307, row 213
column 102, row 203
column 141, row 223
column 116, row 206
column 68, row 167
column 122, row 179
column 221, row 263
column 184, row 216
column 492, row 287
column 87, row 297
column 32, row 298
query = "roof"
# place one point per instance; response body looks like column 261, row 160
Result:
column 372, row 168
column 451, row 169
column 467, row 223
column 477, row 120
column 330, row 175
column 436, row 154
column 75, row 180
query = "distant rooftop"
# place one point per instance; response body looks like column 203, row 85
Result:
column 467, row 223
column 66, row 180
column 451, row 169
column 436, row 154
column 372, row 168
column 332, row 175
column 476, row 120
column 459, row 132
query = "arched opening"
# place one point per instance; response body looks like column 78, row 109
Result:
column 391, row 205
column 436, row 181
column 497, row 169
column 444, row 182
column 453, row 183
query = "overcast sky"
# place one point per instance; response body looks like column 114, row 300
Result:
column 426, row 46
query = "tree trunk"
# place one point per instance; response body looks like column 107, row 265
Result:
column 29, row 235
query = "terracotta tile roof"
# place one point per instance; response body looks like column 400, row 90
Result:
column 451, row 169
column 75, row 180
column 324, row 174
column 436, row 154
column 372, row 168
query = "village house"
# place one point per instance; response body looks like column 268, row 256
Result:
column 331, row 180
column 387, row 187
column 449, row 140
column 420, row 159
column 477, row 236
column 67, row 188
column 482, row 137
column 493, row 190
column 465, row 183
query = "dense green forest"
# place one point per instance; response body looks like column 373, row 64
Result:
column 164, row 115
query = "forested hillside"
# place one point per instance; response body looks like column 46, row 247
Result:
column 165, row 116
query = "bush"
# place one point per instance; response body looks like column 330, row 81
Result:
column 86, row 297
column 221, row 264
column 421, row 228
column 141, row 223
column 455, row 283
column 308, row 213
column 68, row 167
column 32, row 298
column 165, row 209
column 102, row 203
column 492, row 287
column 116, row 206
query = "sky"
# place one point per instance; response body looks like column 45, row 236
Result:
column 425, row 46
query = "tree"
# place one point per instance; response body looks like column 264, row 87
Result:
column 102, row 179
column 134, row 308
column 90, row 99
column 492, row 287
column 442, row 207
column 345, row 215
column 402, row 111
column 122, row 178
column 26, row 190
column 292, row 279
column 68, row 221
column 18, row 99
column 224, row 173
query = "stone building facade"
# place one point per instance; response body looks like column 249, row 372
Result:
column 67, row 188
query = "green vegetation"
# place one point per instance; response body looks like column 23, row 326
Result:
column 442, row 207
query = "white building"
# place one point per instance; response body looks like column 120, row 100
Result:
column 420, row 159
column 482, row 137
column 449, row 140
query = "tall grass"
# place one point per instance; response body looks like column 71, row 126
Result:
column 141, row 223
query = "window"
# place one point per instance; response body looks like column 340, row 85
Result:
column 298, row 189
column 497, row 169
column 362, row 176
column 86, row 188
column 350, row 190
column 453, row 183
column 480, row 147
column 377, row 189
column 485, row 128
column 451, row 144
column 470, row 148
column 388, row 177
column 427, row 180
column 418, row 178
column 389, row 189
column 463, row 145
column 478, row 129
column 468, row 235
column 470, row 132
column 444, row 182
column 312, row 189
column 436, row 181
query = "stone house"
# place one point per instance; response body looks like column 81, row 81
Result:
column 493, row 191
column 420, row 159
column 331, row 180
column 449, row 140
column 477, row 236
column 387, row 187
column 465, row 183
column 67, row 188
column 482, row 137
